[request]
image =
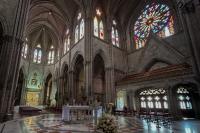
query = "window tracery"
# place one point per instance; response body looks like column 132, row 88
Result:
column 37, row 54
column 80, row 28
column 51, row 55
column 153, row 99
column 98, row 25
column 115, row 34
column 155, row 18
column 184, row 98
column 25, row 50
column 67, row 42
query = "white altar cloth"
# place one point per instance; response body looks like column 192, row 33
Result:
column 66, row 111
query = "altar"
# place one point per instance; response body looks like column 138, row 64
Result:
column 80, row 112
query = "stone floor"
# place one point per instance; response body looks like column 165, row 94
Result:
column 52, row 123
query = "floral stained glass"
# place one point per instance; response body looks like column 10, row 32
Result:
column 154, row 18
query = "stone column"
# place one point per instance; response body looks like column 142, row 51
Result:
column 110, row 93
column 88, row 62
column 15, row 74
column 71, row 86
column 110, row 63
column 10, row 58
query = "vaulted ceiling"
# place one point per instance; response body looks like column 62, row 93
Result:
column 53, row 17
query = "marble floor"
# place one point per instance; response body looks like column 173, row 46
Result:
column 52, row 123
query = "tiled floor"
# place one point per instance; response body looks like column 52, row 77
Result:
column 54, row 124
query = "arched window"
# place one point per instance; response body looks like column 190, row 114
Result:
column 76, row 34
column 155, row 18
column 51, row 55
column 25, row 50
column 37, row 54
column 98, row 25
column 58, row 54
column 153, row 99
column 184, row 99
column 80, row 28
column 67, row 42
column 115, row 34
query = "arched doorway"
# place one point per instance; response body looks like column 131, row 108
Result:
column 48, row 90
column 80, row 93
column 18, row 91
column 65, row 85
column 99, row 79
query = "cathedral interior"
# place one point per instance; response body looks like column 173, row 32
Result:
column 138, row 60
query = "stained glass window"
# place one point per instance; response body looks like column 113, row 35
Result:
column 67, row 42
column 80, row 28
column 98, row 25
column 58, row 54
column 115, row 34
column 35, row 55
column 51, row 55
column 37, row 58
column 25, row 50
column 155, row 18
column 101, row 30
column 153, row 98
column 184, row 98
column 76, row 34
column 168, row 30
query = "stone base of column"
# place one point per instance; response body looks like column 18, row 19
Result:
column 6, row 117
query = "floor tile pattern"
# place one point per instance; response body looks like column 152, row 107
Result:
column 54, row 124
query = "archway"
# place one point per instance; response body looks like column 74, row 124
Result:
column 48, row 90
column 99, row 79
column 79, row 81
column 18, row 91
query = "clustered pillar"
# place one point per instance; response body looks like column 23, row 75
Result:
column 10, row 58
